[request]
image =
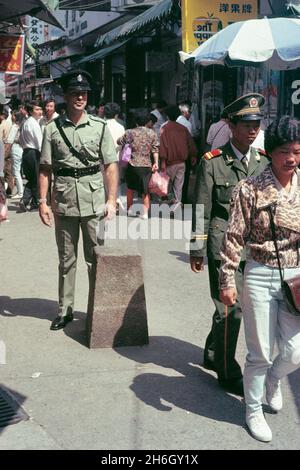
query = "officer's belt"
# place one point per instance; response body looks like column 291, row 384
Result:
column 78, row 172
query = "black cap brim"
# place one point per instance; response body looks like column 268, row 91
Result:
column 249, row 117
column 77, row 88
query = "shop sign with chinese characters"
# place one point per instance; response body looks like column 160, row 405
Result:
column 12, row 49
column 200, row 20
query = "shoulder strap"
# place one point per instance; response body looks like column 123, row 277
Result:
column 101, row 139
column 272, row 224
column 73, row 151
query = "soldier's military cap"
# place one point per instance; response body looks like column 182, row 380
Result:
column 77, row 80
column 246, row 108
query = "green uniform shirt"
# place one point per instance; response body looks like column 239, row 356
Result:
column 216, row 178
column 84, row 196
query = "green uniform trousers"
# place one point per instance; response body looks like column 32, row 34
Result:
column 67, row 230
column 220, row 345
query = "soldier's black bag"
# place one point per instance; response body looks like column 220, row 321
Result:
column 291, row 287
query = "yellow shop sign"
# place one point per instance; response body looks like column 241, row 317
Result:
column 202, row 19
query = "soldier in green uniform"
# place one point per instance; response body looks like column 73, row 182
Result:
column 217, row 174
column 74, row 146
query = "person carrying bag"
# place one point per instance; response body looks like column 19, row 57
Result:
column 270, row 297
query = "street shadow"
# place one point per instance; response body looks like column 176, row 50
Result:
column 13, row 205
column 29, row 307
column 134, row 328
column 44, row 309
column 294, row 381
column 192, row 388
column 181, row 256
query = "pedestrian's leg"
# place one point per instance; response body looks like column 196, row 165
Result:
column 178, row 181
column 16, row 161
column 222, row 340
column 129, row 194
column 26, row 167
column 260, row 314
column 146, row 204
column 8, row 175
column 185, row 187
column 34, row 178
column 93, row 231
column 67, row 236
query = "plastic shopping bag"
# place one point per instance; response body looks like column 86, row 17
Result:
column 158, row 184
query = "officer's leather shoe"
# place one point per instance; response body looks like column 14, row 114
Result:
column 60, row 322
column 234, row 386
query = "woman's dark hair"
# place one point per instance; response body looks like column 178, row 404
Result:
column 281, row 131
column 111, row 110
column 142, row 117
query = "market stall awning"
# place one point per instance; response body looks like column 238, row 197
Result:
column 11, row 10
column 100, row 54
column 157, row 12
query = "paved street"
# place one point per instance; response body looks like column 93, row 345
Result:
column 151, row 397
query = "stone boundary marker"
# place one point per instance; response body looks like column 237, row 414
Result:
column 117, row 314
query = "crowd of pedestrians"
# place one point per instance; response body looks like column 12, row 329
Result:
column 21, row 135
column 249, row 197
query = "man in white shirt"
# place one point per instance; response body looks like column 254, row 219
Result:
column 184, row 117
column 111, row 114
column 185, row 120
column 31, row 141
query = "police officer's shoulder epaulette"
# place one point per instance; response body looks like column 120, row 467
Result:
column 214, row 153
column 97, row 118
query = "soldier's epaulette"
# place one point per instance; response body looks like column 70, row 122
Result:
column 262, row 151
column 212, row 154
column 97, row 118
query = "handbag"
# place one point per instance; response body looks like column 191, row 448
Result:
column 291, row 287
column 125, row 154
column 159, row 183
column 126, row 151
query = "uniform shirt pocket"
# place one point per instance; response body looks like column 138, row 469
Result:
column 90, row 148
column 98, row 196
column 61, row 196
column 224, row 187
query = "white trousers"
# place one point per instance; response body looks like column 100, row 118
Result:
column 266, row 318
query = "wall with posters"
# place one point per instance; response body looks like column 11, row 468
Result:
column 202, row 19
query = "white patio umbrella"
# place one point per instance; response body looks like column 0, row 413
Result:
column 272, row 40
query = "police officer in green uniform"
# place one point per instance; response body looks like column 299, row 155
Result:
column 74, row 146
column 217, row 174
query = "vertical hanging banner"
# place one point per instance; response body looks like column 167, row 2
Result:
column 201, row 20
column 12, row 50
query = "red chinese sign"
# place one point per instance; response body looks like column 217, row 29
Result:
column 12, row 47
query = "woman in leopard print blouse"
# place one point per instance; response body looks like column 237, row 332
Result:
column 265, row 314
